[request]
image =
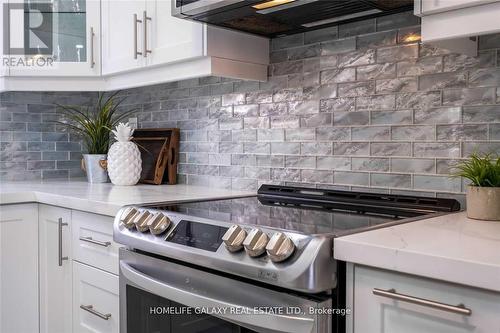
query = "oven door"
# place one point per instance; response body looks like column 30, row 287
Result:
column 160, row 296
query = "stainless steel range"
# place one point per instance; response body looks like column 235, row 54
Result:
column 257, row 264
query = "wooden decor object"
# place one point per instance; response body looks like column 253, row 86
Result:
column 159, row 152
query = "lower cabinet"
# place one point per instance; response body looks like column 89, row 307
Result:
column 55, row 269
column 392, row 302
column 58, row 271
column 95, row 300
column 19, row 268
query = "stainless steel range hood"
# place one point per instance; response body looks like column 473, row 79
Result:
column 272, row 18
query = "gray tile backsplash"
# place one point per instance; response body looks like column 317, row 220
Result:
column 352, row 107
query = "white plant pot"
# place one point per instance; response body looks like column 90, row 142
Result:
column 483, row 203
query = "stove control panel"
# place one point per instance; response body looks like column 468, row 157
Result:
column 280, row 247
column 234, row 237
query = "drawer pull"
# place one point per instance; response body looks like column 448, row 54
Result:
column 93, row 241
column 90, row 308
column 391, row 293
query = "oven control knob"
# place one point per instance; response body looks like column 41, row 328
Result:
column 141, row 221
column 128, row 216
column 158, row 223
column 234, row 237
column 280, row 247
column 255, row 243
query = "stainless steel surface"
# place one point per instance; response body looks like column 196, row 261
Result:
column 234, row 237
column 60, row 225
column 391, row 293
column 136, row 52
column 145, row 19
column 200, row 7
column 311, row 269
column 159, row 223
column 255, row 242
column 90, row 308
column 280, row 247
column 92, row 35
column 96, row 242
column 128, row 217
column 192, row 287
column 95, row 168
column 141, row 220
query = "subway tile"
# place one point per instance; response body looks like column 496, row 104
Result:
column 243, row 159
column 317, row 176
column 333, row 163
column 371, row 133
column 462, row 132
column 480, row 147
column 337, row 104
column 328, row 61
column 376, row 102
column 370, row 164
column 285, row 122
column 351, row 178
column 257, row 147
column 258, row 173
column 356, row 89
column 396, row 85
column 390, row 180
column 420, row 66
column 357, row 28
column 255, row 122
column 271, row 135
column 418, row 100
column 377, row 39
column 351, row 118
column 397, row 20
column 494, row 131
column 428, row 50
column 304, row 52
column 438, row 115
column 484, row 77
column 286, row 174
column 316, row 120
column 288, row 67
column 273, row 109
column 287, row 41
column 300, row 162
column 397, row 53
column 413, row 133
column 413, row 165
column 393, row 149
column 399, row 117
column 469, row 96
column 376, row 71
column 351, row 148
column 489, row 41
column 316, row 148
column 356, row 58
column 481, row 114
column 333, row 133
column 338, row 75
column 270, row 161
column 300, row 134
column 442, row 80
column 286, row 95
column 285, row 148
column 259, row 97
column 303, row 107
column 435, row 149
column 458, row 62
column 338, row 46
column 437, row 183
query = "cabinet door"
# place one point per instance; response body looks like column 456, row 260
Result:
column 75, row 34
column 19, row 268
column 123, row 35
column 55, row 269
column 95, row 300
column 382, row 313
column 170, row 38
column 437, row 6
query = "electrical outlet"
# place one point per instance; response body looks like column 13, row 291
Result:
column 133, row 122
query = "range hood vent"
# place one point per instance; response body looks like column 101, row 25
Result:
column 273, row 18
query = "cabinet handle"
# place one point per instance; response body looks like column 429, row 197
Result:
column 136, row 52
column 145, row 19
column 391, row 293
column 90, row 308
column 92, row 35
column 93, row 241
column 60, row 225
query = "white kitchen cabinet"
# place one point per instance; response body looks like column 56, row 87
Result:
column 76, row 30
column 437, row 6
column 93, row 241
column 122, row 35
column 19, row 268
column 55, row 269
column 95, row 300
column 382, row 313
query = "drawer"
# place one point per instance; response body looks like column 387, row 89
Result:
column 383, row 312
column 98, row 292
column 93, row 241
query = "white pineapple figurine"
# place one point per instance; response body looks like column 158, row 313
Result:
column 124, row 158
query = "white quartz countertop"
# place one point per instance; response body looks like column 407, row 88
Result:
column 449, row 247
column 105, row 199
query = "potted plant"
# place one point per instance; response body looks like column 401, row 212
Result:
column 483, row 194
column 94, row 124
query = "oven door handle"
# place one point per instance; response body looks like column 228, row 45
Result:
column 266, row 322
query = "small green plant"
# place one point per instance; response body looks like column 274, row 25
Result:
column 94, row 123
column 481, row 170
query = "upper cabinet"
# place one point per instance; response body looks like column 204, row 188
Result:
column 454, row 24
column 81, row 45
column 56, row 38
